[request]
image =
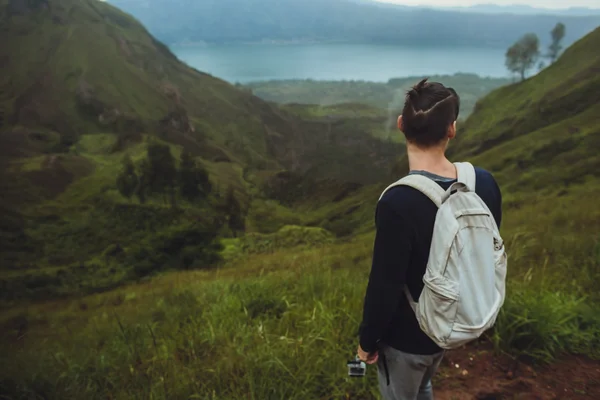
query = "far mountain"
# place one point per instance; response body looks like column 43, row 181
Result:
column 490, row 8
column 243, row 21
column 525, row 10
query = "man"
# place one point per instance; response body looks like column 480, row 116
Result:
column 407, row 359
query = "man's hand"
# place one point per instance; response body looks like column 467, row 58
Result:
column 369, row 358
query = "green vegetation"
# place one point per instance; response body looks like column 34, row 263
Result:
column 287, row 237
column 524, row 54
column 242, row 272
column 100, row 113
column 85, row 67
column 193, row 180
column 280, row 325
column 284, row 334
column 128, row 180
column 386, row 96
column 558, row 34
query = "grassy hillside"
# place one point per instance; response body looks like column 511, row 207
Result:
column 269, row 326
column 85, row 85
column 551, row 115
column 277, row 317
column 388, row 96
column 82, row 67
column 540, row 138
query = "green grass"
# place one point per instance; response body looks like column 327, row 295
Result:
column 268, row 326
column 560, row 99
column 287, row 237
column 73, row 228
column 541, row 324
column 262, row 332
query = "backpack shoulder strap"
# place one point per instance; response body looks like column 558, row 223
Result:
column 466, row 174
column 425, row 185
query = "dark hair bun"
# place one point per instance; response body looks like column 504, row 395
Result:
column 429, row 110
column 415, row 91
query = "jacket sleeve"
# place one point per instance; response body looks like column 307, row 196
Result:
column 391, row 256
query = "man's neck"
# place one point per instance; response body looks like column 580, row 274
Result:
column 432, row 160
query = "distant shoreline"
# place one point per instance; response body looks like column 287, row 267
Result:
column 258, row 43
column 386, row 96
column 366, row 81
column 303, row 42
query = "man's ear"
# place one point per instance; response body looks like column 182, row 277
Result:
column 400, row 123
column 452, row 131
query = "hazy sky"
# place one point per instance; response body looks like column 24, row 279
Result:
column 534, row 3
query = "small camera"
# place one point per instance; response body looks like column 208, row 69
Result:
column 356, row 368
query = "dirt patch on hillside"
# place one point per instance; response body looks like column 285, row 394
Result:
column 58, row 172
column 477, row 374
column 17, row 142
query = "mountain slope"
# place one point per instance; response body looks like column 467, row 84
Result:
column 540, row 138
column 544, row 131
column 81, row 67
column 85, row 67
column 339, row 20
column 85, row 85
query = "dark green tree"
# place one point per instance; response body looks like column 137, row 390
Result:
column 203, row 181
column 558, row 33
column 158, row 173
column 188, row 187
column 233, row 209
column 193, row 179
column 523, row 55
column 141, row 191
column 127, row 180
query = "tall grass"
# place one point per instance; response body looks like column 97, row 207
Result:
column 282, row 335
column 538, row 325
column 274, row 326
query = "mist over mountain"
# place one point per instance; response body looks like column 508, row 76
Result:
column 237, row 21
column 495, row 8
column 525, row 9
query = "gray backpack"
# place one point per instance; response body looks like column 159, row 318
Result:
column 466, row 271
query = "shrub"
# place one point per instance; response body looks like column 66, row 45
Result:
column 181, row 247
column 287, row 237
column 539, row 324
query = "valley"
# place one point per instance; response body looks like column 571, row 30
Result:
column 388, row 96
column 167, row 234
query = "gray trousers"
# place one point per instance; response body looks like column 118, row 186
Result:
column 409, row 374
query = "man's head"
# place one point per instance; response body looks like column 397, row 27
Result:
column 429, row 115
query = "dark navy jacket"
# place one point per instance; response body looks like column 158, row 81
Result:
column 404, row 220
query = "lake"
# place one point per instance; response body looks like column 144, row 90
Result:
column 378, row 63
